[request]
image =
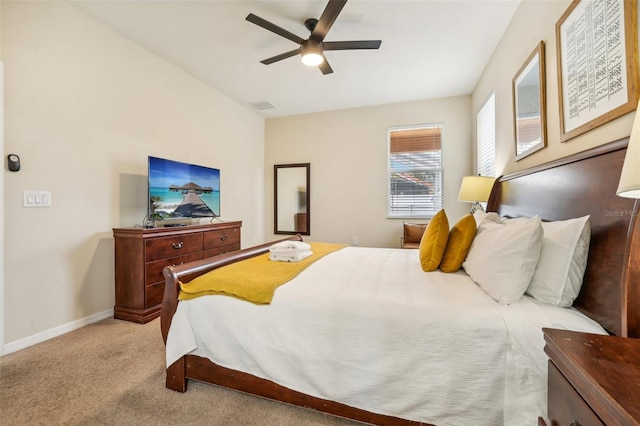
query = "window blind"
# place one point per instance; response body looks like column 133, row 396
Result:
column 415, row 171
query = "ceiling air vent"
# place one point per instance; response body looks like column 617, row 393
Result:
column 262, row 105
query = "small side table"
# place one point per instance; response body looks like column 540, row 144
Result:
column 593, row 379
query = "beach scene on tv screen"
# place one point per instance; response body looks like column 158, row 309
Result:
column 179, row 190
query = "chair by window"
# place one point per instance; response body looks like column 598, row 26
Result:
column 412, row 234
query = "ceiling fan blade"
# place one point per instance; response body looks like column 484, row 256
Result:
column 325, row 67
column 351, row 45
column 273, row 28
column 282, row 56
column 331, row 12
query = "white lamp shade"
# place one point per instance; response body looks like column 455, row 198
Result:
column 475, row 188
column 629, row 185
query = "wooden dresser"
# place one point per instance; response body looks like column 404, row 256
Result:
column 141, row 254
column 593, row 379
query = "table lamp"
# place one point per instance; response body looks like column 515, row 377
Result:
column 629, row 185
column 476, row 190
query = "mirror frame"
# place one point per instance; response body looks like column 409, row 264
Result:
column 307, row 230
column 517, row 84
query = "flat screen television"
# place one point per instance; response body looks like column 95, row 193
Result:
column 182, row 191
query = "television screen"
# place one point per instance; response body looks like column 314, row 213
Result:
column 180, row 190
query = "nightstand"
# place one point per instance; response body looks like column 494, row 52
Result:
column 593, row 379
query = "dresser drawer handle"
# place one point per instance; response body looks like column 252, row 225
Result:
column 224, row 237
column 178, row 245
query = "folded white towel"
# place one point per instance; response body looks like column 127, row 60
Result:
column 290, row 258
column 289, row 246
column 286, row 252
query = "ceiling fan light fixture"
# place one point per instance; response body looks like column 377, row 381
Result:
column 311, row 50
column 312, row 53
column 312, row 59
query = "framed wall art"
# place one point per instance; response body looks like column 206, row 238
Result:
column 529, row 105
column 597, row 48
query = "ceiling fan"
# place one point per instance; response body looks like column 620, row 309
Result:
column 312, row 49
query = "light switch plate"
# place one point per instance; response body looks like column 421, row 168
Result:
column 36, row 198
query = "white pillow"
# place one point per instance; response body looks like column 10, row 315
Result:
column 503, row 258
column 511, row 220
column 563, row 260
column 480, row 216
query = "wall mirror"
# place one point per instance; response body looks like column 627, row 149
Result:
column 291, row 198
column 529, row 105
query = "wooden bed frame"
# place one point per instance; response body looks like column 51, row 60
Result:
column 574, row 186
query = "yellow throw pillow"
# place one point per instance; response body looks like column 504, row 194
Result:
column 434, row 242
column 460, row 238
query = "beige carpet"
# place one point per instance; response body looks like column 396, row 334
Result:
column 112, row 373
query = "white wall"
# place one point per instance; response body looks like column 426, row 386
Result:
column 534, row 21
column 347, row 150
column 84, row 108
column 2, row 155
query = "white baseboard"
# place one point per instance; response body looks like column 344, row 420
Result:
column 25, row 342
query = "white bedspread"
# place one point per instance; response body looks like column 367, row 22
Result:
column 370, row 329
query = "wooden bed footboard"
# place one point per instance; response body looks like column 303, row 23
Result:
column 172, row 274
column 176, row 372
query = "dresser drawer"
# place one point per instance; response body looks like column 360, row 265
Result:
column 173, row 246
column 566, row 406
column 153, row 270
column 221, row 250
column 154, row 294
column 221, row 237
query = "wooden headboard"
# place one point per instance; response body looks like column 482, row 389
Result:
column 578, row 185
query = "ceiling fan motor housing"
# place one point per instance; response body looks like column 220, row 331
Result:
column 311, row 46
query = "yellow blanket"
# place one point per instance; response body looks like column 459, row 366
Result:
column 255, row 279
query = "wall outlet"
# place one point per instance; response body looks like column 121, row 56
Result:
column 354, row 241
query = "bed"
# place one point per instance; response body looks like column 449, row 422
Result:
column 390, row 371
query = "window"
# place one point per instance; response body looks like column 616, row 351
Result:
column 415, row 171
column 486, row 137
